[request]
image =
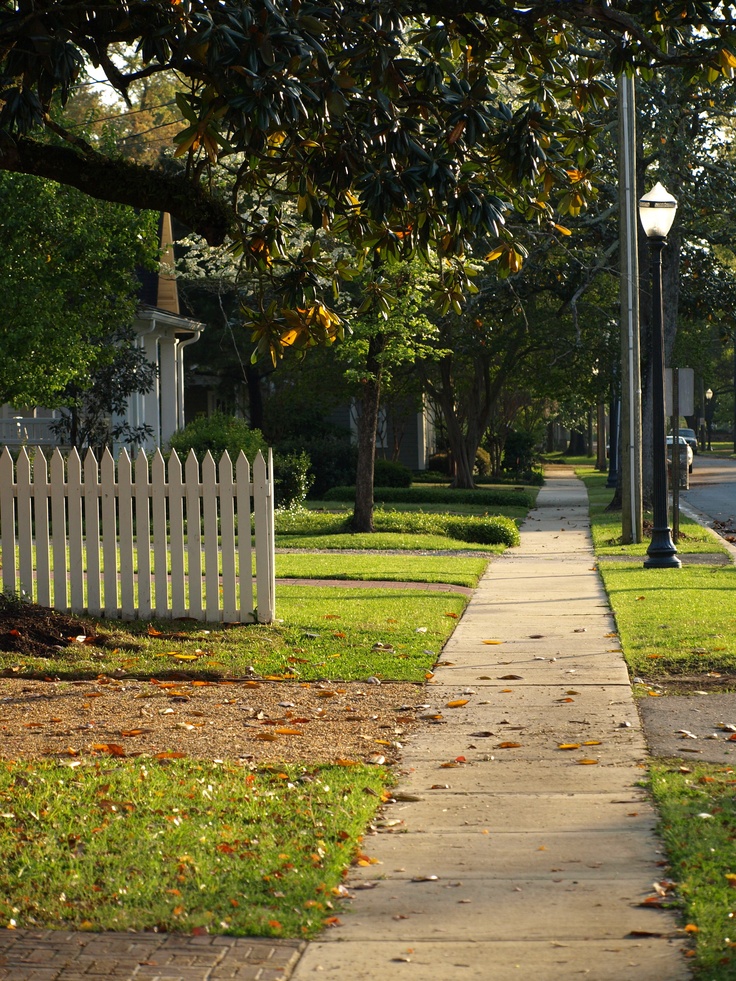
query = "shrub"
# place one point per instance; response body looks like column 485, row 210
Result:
column 391, row 473
column 291, row 479
column 218, row 433
column 334, row 459
column 440, row 495
column 518, row 454
column 440, row 462
column 482, row 462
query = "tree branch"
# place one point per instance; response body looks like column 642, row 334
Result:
column 122, row 182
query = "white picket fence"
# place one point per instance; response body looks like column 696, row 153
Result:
column 139, row 539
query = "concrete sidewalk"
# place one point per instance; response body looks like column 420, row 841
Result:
column 513, row 857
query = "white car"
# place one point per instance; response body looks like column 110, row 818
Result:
column 683, row 442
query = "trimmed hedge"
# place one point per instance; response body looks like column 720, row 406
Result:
column 439, row 495
column 485, row 530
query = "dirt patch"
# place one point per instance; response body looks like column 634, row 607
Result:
column 248, row 719
column 711, row 683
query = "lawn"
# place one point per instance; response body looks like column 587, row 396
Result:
column 455, row 569
column 225, row 849
column 674, row 621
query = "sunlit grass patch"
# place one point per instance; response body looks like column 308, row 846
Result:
column 674, row 621
column 697, row 806
column 182, row 847
column 346, row 633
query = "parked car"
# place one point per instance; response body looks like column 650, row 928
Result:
column 690, row 438
column 683, row 442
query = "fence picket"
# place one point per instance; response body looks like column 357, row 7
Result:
column 92, row 528
column 160, row 557
column 125, row 532
column 41, row 490
column 58, row 530
column 101, row 522
column 227, row 537
column 211, row 552
column 245, row 547
column 7, row 522
column 194, row 535
column 143, row 534
column 263, row 511
column 176, row 536
column 24, row 522
column 109, row 533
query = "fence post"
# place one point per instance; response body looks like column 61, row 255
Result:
column 265, row 552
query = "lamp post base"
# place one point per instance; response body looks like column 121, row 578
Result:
column 662, row 553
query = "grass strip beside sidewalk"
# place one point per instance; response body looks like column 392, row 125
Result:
column 676, row 622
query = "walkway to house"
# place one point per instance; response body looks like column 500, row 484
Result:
column 505, row 855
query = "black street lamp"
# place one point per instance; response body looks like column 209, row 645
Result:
column 657, row 212
column 708, row 416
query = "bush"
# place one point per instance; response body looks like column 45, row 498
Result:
column 440, row 495
column 334, row 459
column 518, row 454
column 391, row 473
column 291, row 479
column 482, row 462
column 439, row 462
column 486, row 530
column 218, row 433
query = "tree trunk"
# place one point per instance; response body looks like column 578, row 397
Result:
column 576, row 446
column 367, row 425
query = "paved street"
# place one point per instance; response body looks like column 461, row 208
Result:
column 712, row 489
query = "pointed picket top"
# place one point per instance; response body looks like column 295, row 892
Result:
column 225, row 469
column 88, row 456
column 191, row 467
column 242, row 469
column 141, row 459
column 23, row 465
column 107, row 455
column 174, row 467
column 123, row 455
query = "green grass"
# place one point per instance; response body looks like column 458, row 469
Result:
column 183, row 847
column 702, row 854
column 606, row 526
column 397, row 529
column 323, row 633
column 455, row 569
column 523, row 497
column 385, row 541
column 674, row 621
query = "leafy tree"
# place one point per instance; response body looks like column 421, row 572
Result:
column 67, row 276
column 390, row 123
column 93, row 413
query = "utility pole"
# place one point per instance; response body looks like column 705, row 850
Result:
column 631, row 489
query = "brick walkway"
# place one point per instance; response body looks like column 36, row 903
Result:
column 54, row 955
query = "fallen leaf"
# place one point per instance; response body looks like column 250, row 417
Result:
column 588, row 762
column 114, row 749
column 454, row 616
column 457, row 703
column 288, row 732
column 508, row 745
column 493, row 642
column 510, row 677
column 569, row 746
column 592, row 742
column 170, row 756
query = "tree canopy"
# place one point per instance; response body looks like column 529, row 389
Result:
column 404, row 126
